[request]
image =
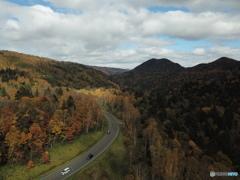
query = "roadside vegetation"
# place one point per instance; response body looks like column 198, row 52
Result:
column 39, row 122
column 112, row 164
column 176, row 123
column 68, row 151
column 160, row 135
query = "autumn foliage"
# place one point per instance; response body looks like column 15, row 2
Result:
column 177, row 123
column 163, row 138
column 45, row 158
column 39, row 115
column 31, row 165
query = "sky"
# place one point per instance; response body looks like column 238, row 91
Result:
column 122, row 33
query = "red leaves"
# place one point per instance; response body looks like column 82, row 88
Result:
column 38, row 137
column 28, row 125
column 7, row 117
column 45, row 158
column 31, row 165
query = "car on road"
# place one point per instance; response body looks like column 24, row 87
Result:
column 65, row 171
column 90, row 156
column 108, row 132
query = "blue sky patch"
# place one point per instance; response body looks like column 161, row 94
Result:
column 166, row 9
column 14, row 18
column 29, row 2
column 232, row 44
column 43, row 3
column 187, row 45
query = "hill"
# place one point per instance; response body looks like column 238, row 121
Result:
column 37, row 111
column 220, row 64
column 109, row 71
column 183, row 122
column 55, row 72
column 178, row 123
column 158, row 66
column 165, row 75
column 151, row 74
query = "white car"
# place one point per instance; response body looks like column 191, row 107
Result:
column 65, row 171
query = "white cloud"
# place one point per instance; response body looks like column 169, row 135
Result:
column 193, row 26
column 83, row 5
column 193, row 5
column 93, row 34
column 199, row 51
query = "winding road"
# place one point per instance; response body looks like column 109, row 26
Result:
column 97, row 150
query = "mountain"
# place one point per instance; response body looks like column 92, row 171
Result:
column 195, row 110
column 178, row 123
column 158, row 66
column 165, row 75
column 220, row 64
column 150, row 74
column 109, row 71
column 55, row 72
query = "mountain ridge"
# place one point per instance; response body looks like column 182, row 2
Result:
column 222, row 63
column 158, row 64
column 57, row 73
column 109, row 70
column 163, row 73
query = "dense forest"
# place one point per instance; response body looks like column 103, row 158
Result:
column 193, row 115
column 169, row 138
column 109, row 71
column 35, row 115
column 57, row 73
column 178, row 123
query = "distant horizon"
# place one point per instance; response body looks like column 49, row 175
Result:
column 128, row 69
column 121, row 33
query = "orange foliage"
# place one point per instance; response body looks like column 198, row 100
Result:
column 31, row 165
column 206, row 109
column 45, row 158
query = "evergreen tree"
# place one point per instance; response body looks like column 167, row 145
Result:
column 36, row 93
column 64, row 105
column 55, row 99
column 59, row 91
column 24, row 90
column 3, row 92
column 70, row 102
column 47, row 92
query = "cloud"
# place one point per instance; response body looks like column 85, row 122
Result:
column 199, row 51
column 193, row 26
column 96, row 31
column 193, row 5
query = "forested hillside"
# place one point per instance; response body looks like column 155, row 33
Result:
column 173, row 136
column 154, row 73
column 35, row 115
column 178, row 123
column 109, row 71
column 57, row 73
column 164, row 75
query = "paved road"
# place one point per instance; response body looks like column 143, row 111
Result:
column 98, row 149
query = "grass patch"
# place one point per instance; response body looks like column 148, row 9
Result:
column 103, row 106
column 112, row 164
column 59, row 154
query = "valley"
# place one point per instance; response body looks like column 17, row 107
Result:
column 176, row 122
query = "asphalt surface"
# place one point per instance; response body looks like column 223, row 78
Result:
column 97, row 150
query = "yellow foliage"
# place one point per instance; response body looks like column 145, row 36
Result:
column 11, row 92
column 176, row 143
column 21, row 79
column 206, row 109
column 192, row 144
